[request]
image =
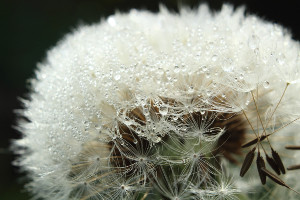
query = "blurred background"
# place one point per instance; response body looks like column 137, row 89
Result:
column 29, row 28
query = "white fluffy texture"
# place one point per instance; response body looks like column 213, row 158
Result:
column 96, row 74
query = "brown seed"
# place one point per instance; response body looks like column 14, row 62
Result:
column 293, row 167
column 278, row 160
column 273, row 164
column 274, row 177
column 292, row 147
column 277, row 179
column 260, row 163
column 254, row 141
column 247, row 162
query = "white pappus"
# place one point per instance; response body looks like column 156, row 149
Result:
column 157, row 105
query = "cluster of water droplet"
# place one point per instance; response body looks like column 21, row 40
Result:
column 194, row 62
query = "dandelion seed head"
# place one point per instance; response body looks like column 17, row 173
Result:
column 142, row 104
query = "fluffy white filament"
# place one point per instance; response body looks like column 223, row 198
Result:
column 199, row 61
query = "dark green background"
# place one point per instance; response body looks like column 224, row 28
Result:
column 29, row 28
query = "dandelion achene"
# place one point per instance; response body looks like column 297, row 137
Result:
column 247, row 162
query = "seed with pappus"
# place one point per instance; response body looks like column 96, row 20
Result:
column 158, row 106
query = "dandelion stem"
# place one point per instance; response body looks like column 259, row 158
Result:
column 260, row 122
column 258, row 138
column 284, row 126
column 249, row 123
column 145, row 195
column 101, row 176
column 287, row 84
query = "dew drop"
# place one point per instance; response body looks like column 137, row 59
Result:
column 208, row 92
column 117, row 77
column 128, row 122
column 247, row 102
column 207, row 75
column 183, row 68
column 204, row 68
column 176, row 69
column 111, row 21
column 157, row 139
column 163, row 110
column 97, row 126
column 190, row 90
column 253, row 42
column 214, row 58
column 266, row 84
column 228, row 67
column 281, row 59
column 256, row 51
column 138, row 130
column 241, row 76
